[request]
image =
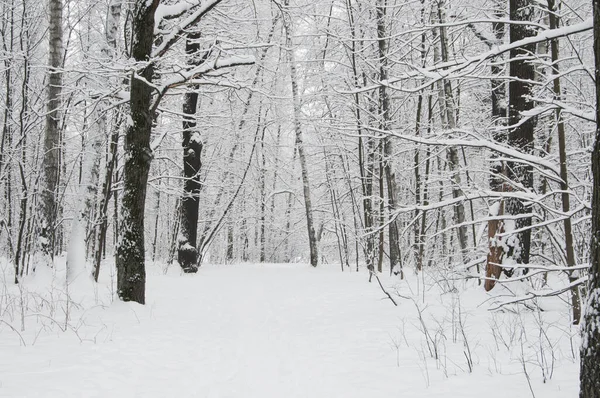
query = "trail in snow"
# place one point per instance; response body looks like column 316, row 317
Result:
column 250, row 331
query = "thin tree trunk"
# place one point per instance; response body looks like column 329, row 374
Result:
column 7, row 128
column 312, row 239
column 388, row 145
column 156, row 221
column 366, row 174
column 263, row 199
column 110, row 33
column 102, row 219
column 564, row 175
column 76, row 255
column 448, row 117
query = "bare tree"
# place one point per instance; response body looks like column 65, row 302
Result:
column 300, row 146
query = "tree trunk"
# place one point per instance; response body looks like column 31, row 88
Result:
column 110, row 33
column 564, row 175
column 522, row 74
column 187, row 253
column 448, row 118
column 51, row 160
column 496, row 253
column 263, row 205
column 130, row 257
column 388, row 145
column 590, row 348
column 312, row 239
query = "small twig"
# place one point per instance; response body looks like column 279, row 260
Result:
column 382, row 288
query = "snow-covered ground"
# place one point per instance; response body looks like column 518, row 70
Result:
column 278, row 331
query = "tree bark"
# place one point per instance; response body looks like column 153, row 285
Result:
column 388, row 145
column 521, row 135
column 564, row 175
column 130, row 256
column 187, row 253
column 448, row 118
column 110, row 33
column 51, row 160
column 312, row 238
column 590, row 348
column 497, row 179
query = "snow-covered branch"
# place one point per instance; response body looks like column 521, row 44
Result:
column 176, row 33
column 448, row 70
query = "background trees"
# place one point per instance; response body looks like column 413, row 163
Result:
column 407, row 153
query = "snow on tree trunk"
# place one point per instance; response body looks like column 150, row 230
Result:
column 187, row 253
column 521, row 136
column 110, row 33
column 498, row 100
column 51, row 160
column 388, row 145
column 130, row 256
column 564, row 175
column 590, row 347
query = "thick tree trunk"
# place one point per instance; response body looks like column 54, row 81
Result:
column 187, row 253
column 498, row 98
column 51, row 161
column 521, row 136
column 130, row 257
column 590, row 348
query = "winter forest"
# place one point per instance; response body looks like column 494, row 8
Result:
column 300, row 198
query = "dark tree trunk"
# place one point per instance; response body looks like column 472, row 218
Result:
column 187, row 253
column 521, row 137
column 498, row 97
column 130, row 256
column 590, row 350
column 388, row 146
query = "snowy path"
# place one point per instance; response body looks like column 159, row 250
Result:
column 259, row 331
column 244, row 331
